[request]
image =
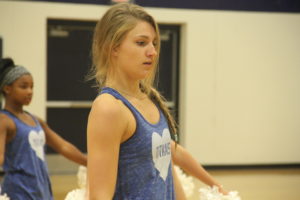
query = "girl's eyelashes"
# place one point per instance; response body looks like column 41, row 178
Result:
column 141, row 43
column 144, row 43
column 25, row 86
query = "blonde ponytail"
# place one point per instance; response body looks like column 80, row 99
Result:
column 156, row 97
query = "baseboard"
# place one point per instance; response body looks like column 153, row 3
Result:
column 253, row 166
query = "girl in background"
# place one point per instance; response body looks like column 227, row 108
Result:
column 23, row 137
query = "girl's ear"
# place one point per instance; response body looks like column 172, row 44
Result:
column 6, row 89
column 115, row 51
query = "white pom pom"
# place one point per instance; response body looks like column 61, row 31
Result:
column 212, row 193
column 81, row 176
column 77, row 194
column 4, row 197
column 186, row 182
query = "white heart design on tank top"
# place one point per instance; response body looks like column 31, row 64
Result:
column 37, row 142
column 161, row 152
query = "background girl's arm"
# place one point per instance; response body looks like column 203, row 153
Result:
column 185, row 160
column 7, row 132
column 3, row 133
column 62, row 146
column 106, row 126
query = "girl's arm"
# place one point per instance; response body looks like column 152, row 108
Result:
column 3, row 133
column 179, row 192
column 106, row 126
column 62, row 146
column 7, row 129
column 185, row 160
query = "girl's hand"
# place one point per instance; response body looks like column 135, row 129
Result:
column 222, row 190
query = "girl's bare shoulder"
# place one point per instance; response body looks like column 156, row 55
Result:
column 7, row 126
column 6, row 121
column 107, row 105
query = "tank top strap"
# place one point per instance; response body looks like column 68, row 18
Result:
column 34, row 118
column 9, row 114
column 117, row 95
column 17, row 120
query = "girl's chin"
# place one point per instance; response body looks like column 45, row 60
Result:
column 27, row 103
column 145, row 74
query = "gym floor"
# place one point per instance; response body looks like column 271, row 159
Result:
column 252, row 184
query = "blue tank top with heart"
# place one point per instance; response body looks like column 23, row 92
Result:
column 144, row 168
column 26, row 173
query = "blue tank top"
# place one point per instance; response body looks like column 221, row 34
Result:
column 26, row 174
column 144, row 169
